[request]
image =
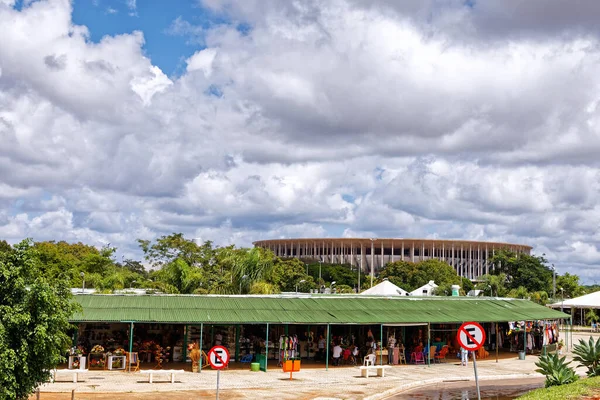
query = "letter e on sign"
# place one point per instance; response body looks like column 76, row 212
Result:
column 471, row 336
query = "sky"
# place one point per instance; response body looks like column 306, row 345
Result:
column 236, row 121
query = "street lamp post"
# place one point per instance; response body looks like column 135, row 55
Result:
column 302, row 281
column 82, row 274
column 241, row 279
column 131, row 284
column 320, row 262
column 553, row 282
column 562, row 301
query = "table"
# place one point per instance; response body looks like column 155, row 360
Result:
column 378, row 353
column 112, row 359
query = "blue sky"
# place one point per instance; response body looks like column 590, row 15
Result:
column 154, row 18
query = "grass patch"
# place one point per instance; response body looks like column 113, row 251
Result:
column 583, row 387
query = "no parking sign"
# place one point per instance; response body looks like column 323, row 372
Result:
column 471, row 336
column 218, row 358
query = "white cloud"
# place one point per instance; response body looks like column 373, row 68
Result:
column 321, row 119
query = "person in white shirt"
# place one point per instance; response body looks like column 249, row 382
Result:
column 337, row 354
column 321, row 346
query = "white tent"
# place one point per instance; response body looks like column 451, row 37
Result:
column 591, row 300
column 425, row 290
column 385, row 288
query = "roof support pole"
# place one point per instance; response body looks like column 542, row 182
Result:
column 185, row 342
column 429, row 344
column 381, row 345
column 327, row 350
column 525, row 339
column 201, row 337
column 308, row 343
column 267, row 348
column 496, row 341
column 237, row 343
column 130, row 344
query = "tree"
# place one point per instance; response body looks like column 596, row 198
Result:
column 530, row 272
column 287, row 273
column 570, row 285
column 33, row 323
column 410, row 276
column 493, row 285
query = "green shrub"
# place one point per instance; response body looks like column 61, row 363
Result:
column 556, row 370
column 588, row 355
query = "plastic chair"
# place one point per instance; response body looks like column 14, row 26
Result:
column 431, row 355
column 442, row 354
column 369, row 359
column 417, row 358
column 246, row 359
column 401, row 355
column 133, row 360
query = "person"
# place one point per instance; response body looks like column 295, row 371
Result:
column 218, row 338
column 464, row 357
column 337, row 353
column 321, row 347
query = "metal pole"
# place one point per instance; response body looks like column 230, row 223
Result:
column 428, row 344
column 185, row 342
column 319, row 272
column 201, row 332
column 237, row 343
column 327, row 351
column 476, row 377
column 524, row 339
column 381, row 347
column 130, row 344
column 218, row 375
column 496, row 342
column 267, row 349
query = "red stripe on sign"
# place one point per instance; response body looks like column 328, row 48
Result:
column 462, row 329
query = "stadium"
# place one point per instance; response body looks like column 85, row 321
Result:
column 469, row 258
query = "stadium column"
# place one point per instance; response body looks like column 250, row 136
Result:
column 461, row 262
column 343, row 255
column 323, row 254
column 470, row 261
column 314, row 249
column 372, row 261
column 402, row 252
column 432, row 255
column 453, row 264
column 413, row 252
column 423, row 250
column 392, row 255
column 443, row 253
column 362, row 257
column 381, row 264
column 351, row 254
column 332, row 252
column 487, row 262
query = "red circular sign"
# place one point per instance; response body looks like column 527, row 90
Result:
column 218, row 357
column 471, row 336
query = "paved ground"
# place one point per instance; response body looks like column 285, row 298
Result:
column 337, row 383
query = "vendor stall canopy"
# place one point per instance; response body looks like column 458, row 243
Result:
column 281, row 309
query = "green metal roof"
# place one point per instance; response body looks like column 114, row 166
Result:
column 306, row 310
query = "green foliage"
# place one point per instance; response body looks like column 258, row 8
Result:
column 410, row 276
column 570, row 285
column 496, row 283
column 556, row 370
column 588, row 355
column 33, row 322
column 342, row 274
column 591, row 316
column 577, row 390
column 287, row 273
column 524, row 270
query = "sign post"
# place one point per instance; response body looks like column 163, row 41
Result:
column 471, row 337
column 218, row 358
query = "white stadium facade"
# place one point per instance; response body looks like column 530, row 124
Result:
column 469, row 258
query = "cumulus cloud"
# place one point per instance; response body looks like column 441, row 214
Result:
column 452, row 119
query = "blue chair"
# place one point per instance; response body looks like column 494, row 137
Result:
column 246, row 359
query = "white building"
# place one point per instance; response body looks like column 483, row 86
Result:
column 385, row 288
